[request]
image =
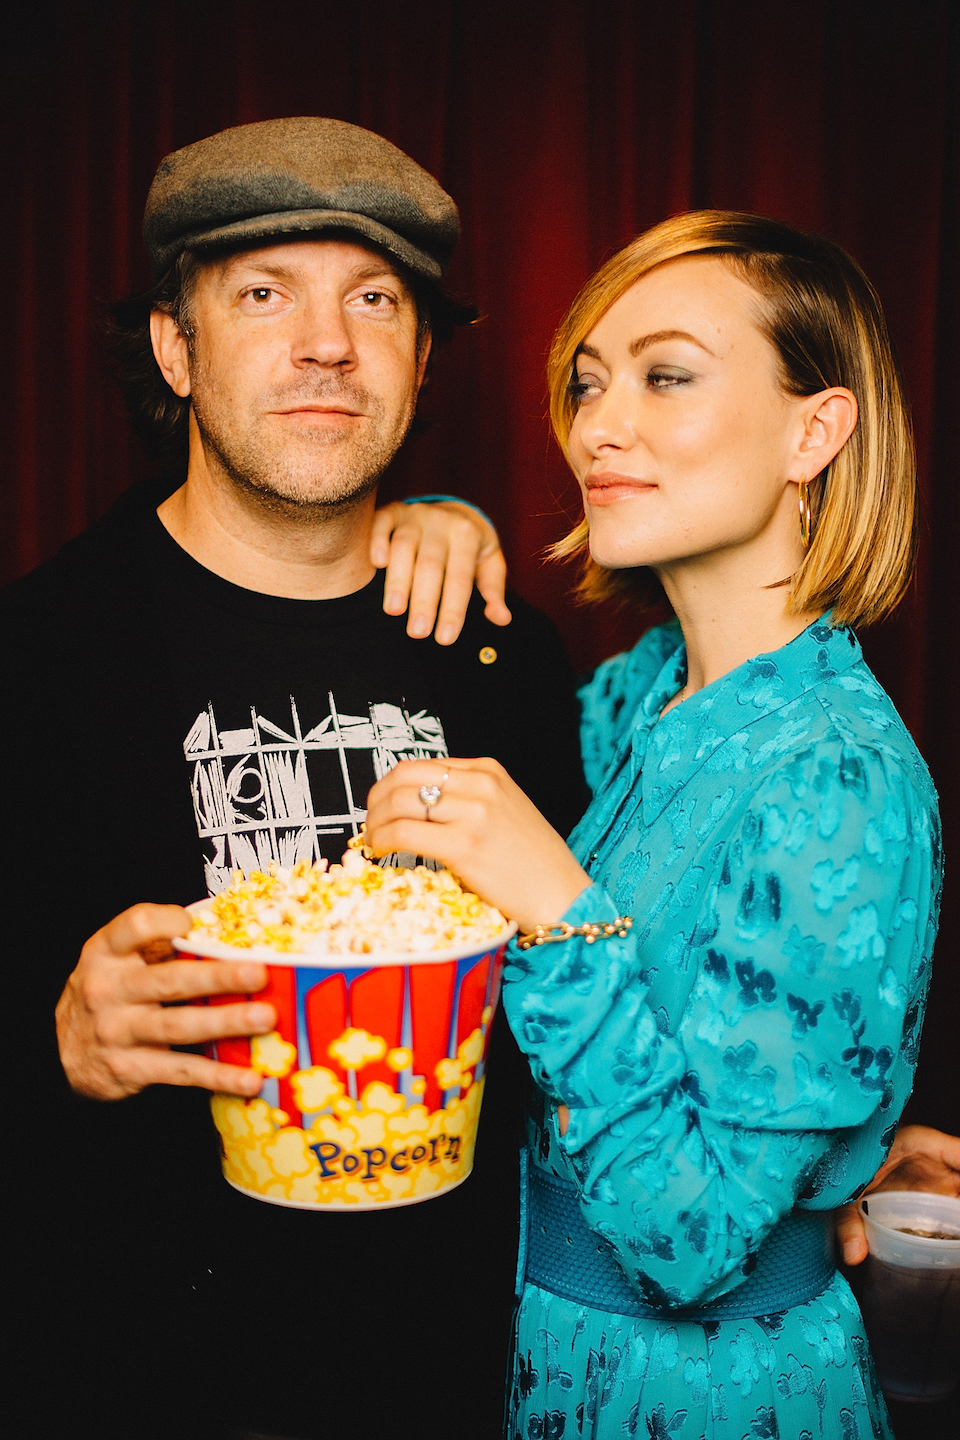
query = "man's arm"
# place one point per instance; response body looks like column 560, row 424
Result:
column 122, row 1010
column 924, row 1159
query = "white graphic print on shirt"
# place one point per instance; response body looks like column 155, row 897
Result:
column 257, row 791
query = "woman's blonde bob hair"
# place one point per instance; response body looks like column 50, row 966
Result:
column 824, row 320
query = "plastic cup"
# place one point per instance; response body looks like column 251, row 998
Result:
column 909, row 1292
column 373, row 1077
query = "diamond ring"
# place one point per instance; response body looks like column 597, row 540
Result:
column 430, row 794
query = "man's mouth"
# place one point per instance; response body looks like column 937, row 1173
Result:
column 319, row 411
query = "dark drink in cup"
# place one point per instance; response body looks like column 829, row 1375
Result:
column 909, row 1292
column 912, row 1317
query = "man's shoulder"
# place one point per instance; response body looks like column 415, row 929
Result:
column 94, row 566
column 528, row 629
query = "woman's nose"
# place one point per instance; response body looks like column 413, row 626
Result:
column 608, row 422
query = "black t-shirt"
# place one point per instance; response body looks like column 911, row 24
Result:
column 290, row 710
column 155, row 1300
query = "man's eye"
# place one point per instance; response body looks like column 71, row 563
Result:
column 261, row 294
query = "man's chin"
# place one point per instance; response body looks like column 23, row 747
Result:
column 303, row 496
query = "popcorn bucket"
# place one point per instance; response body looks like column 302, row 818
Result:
column 373, row 1077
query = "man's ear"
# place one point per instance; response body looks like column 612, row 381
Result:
column 829, row 419
column 423, row 356
column 170, row 351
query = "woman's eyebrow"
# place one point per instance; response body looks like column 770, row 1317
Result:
column 637, row 346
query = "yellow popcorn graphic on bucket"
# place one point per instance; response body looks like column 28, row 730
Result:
column 373, row 1078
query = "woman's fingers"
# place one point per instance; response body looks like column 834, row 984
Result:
column 433, row 555
column 484, row 828
column 401, row 555
column 492, row 584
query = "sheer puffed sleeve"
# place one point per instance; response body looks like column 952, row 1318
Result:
column 805, row 929
column 610, row 695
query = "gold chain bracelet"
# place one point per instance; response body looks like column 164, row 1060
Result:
column 553, row 934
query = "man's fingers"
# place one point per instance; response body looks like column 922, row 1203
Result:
column 191, row 1024
column 492, row 584
column 188, row 980
column 143, row 926
column 851, row 1234
column 922, row 1140
column 136, row 1068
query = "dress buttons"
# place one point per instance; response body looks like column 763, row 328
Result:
column 487, row 655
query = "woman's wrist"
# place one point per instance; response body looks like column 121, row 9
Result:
column 450, row 500
column 560, row 904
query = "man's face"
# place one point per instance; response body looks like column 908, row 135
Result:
column 303, row 370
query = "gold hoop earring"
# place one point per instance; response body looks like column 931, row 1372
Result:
column 806, row 519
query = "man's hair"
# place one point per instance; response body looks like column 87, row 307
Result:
column 159, row 416
column 826, row 325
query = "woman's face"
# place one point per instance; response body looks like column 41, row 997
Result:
column 683, row 440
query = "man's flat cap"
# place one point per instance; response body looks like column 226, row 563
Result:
column 295, row 178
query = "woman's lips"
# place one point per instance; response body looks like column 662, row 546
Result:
column 609, row 489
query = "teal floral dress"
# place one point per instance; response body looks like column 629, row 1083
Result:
column 745, row 1051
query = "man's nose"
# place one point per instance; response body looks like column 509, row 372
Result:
column 323, row 336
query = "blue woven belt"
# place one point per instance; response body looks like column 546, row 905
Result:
column 794, row 1263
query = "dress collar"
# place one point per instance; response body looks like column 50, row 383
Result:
column 672, row 749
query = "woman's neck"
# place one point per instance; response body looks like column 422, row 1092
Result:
column 726, row 622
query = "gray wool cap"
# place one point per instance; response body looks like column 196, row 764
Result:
column 298, row 177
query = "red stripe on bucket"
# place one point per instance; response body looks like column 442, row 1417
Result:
column 376, row 1005
column 325, row 1014
column 431, row 1004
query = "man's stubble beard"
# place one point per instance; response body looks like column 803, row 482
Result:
column 320, row 472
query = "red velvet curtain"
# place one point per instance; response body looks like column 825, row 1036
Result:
column 562, row 128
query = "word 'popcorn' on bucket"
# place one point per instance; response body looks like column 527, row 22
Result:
column 354, row 908
column 382, row 1148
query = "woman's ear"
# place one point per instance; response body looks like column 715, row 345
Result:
column 170, row 352
column 829, row 419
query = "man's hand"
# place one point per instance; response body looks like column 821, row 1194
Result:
column 434, row 554
column 923, row 1159
column 119, row 1014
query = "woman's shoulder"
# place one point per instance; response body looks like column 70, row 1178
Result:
column 610, row 694
column 859, row 715
column 844, row 731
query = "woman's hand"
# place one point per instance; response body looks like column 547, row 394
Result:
column 485, row 829
column 434, row 554
column 924, row 1159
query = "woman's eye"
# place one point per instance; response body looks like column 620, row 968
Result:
column 667, row 379
column 583, row 387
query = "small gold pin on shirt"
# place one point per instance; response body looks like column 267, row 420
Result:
column 487, row 655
